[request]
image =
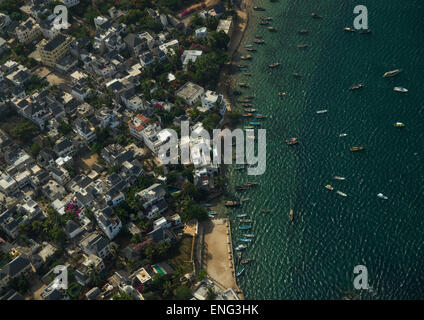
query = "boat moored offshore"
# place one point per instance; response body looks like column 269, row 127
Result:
column 391, row 73
column 400, row 89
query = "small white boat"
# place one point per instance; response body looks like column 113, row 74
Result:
column 339, row 178
column 240, row 247
column 400, row 89
column 342, row 134
column 322, row 111
column 341, row 193
column 399, row 124
column 382, row 196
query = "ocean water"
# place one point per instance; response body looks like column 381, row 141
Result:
column 313, row 257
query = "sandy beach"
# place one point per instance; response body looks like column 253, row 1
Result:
column 217, row 253
column 225, row 81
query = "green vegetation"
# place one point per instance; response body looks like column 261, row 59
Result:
column 11, row 8
column 50, row 229
column 35, row 83
column 19, row 128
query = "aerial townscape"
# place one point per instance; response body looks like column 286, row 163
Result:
column 82, row 110
column 96, row 95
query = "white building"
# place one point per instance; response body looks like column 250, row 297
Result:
column 108, row 222
column 190, row 92
column 210, row 99
column 190, row 56
column 201, row 33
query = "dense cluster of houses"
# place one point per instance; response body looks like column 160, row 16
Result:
column 91, row 198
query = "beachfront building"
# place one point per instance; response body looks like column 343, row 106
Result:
column 51, row 51
column 190, row 92
column 226, row 26
column 211, row 99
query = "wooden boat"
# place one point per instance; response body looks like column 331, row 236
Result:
column 256, row 8
column 302, row 46
column 243, row 85
column 236, row 92
column 259, row 41
column 244, row 199
column 341, row 193
column 247, row 115
column 349, row 29
column 247, row 105
column 260, row 116
column 316, row 15
column 242, row 66
column 247, row 74
column 400, row 89
column 297, row 75
column 392, row 73
column 292, row 141
column 266, row 210
column 247, row 57
column 251, row 49
column 248, row 127
column 302, row 31
column 359, row 148
column 250, row 110
column 281, row 93
column 272, row 29
column 239, row 272
column 245, row 220
column 264, row 23
column 321, row 111
column 356, row 86
column 329, row 187
column 267, row 18
column 258, row 36
column 291, row 214
column 245, row 261
column 339, row 178
column 251, row 184
column 240, row 188
column 245, row 227
column 240, row 247
column 274, row 65
column 249, row 97
column 232, row 203
column 241, row 215
column 366, row 31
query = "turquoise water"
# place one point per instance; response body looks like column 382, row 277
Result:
column 314, row 256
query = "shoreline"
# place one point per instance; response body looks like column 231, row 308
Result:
column 225, row 79
column 225, row 87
